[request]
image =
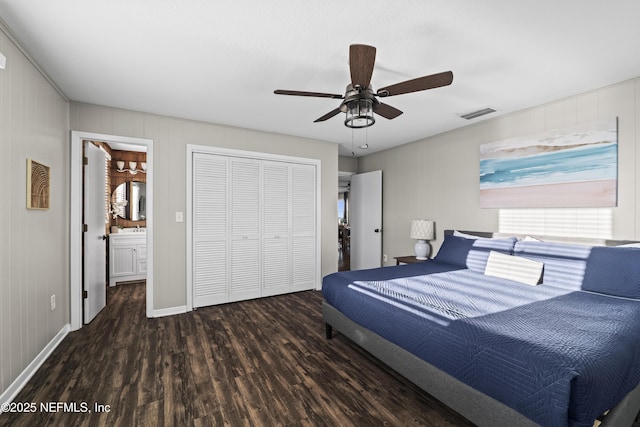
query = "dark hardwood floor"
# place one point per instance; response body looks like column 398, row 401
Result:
column 256, row 363
column 344, row 257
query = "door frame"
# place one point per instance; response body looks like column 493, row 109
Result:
column 75, row 221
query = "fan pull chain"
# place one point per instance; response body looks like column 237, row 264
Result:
column 353, row 153
column 366, row 137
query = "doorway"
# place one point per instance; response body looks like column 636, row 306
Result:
column 76, row 221
column 344, row 230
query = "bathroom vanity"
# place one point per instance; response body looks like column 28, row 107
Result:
column 127, row 257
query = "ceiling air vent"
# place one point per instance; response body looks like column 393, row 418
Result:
column 478, row 113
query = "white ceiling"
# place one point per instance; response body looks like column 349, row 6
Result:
column 220, row 61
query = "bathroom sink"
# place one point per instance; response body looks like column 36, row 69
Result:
column 132, row 230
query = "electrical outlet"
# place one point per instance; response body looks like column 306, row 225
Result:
column 384, row 258
column 53, row 302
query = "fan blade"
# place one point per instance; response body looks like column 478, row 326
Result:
column 361, row 61
column 300, row 93
column 415, row 85
column 387, row 111
column 327, row 116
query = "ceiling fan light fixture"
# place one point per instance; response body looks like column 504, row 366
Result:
column 359, row 113
column 359, row 99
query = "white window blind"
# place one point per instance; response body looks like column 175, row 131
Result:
column 565, row 222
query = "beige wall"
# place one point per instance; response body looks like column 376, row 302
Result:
column 34, row 248
column 170, row 137
column 347, row 164
column 438, row 177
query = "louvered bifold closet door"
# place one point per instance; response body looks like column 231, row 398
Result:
column 303, row 227
column 210, row 229
column 246, row 282
column 276, row 275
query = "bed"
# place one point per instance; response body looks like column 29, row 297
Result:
column 561, row 352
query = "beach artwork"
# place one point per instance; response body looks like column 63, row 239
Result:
column 573, row 167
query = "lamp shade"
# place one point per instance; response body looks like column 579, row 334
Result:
column 422, row 229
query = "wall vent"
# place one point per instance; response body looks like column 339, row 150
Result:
column 478, row 113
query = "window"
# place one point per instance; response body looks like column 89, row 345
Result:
column 566, row 222
column 343, row 208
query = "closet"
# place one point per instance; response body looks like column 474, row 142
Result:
column 254, row 226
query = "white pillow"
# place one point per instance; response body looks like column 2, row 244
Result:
column 629, row 245
column 466, row 236
column 518, row 269
column 530, row 239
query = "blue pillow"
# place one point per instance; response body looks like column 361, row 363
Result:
column 454, row 251
column 613, row 271
column 472, row 253
column 564, row 264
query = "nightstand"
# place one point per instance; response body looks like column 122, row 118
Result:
column 409, row 259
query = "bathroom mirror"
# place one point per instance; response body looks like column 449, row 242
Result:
column 129, row 201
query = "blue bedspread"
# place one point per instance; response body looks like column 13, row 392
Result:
column 559, row 357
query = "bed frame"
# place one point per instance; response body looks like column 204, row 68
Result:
column 477, row 407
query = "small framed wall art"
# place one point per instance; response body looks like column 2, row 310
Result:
column 37, row 185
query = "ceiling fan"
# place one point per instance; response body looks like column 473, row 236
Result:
column 360, row 101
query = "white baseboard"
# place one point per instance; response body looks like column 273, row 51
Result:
column 12, row 391
column 170, row 311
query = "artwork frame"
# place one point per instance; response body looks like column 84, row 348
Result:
column 573, row 167
column 38, row 185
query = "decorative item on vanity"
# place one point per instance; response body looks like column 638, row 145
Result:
column 132, row 167
column 422, row 230
column 117, row 209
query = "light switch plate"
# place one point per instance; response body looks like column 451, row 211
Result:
column 179, row 217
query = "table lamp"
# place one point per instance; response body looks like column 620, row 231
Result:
column 422, row 230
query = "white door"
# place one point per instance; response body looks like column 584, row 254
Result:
column 366, row 220
column 95, row 252
column 210, row 224
column 276, row 212
column 245, row 281
column 304, row 254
